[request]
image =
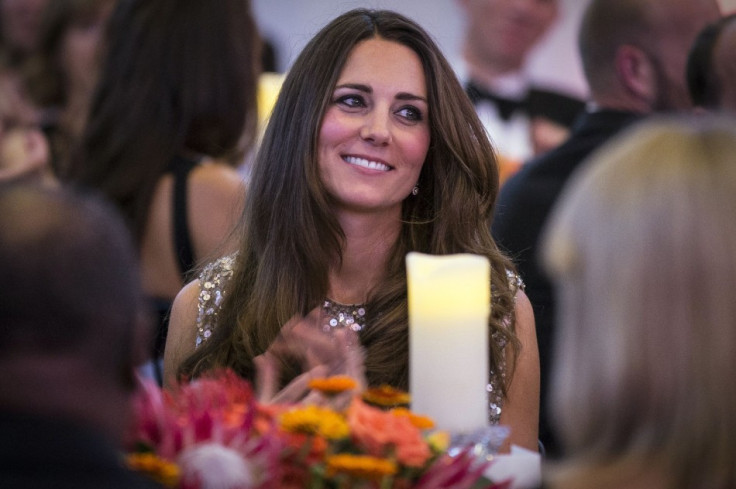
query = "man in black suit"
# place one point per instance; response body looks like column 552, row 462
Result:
column 521, row 117
column 73, row 329
column 633, row 54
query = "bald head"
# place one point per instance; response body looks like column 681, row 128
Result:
column 636, row 50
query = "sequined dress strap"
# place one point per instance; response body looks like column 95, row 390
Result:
column 515, row 281
column 213, row 282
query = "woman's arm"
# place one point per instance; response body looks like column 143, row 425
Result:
column 521, row 406
column 182, row 334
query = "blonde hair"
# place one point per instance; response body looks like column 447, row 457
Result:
column 642, row 249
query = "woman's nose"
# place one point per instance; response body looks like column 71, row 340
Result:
column 376, row 129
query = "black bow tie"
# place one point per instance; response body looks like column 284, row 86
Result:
column 506, row 107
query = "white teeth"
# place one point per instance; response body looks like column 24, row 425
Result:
column 371, row 165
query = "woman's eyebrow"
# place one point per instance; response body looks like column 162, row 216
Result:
column 356, row 86
column 367, row 89
column 410, row 96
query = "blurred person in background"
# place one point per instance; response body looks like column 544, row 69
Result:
column 711, row 66
column 521, row 117
column 75, row 327
column 24, row 151
column 20, row 24
column 634, row 54
column 641, row 249
column 61, row 75
column 172, row 116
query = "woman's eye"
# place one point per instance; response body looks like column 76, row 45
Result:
column 351, row 101
column 410, row 113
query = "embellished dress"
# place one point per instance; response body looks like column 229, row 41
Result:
column 213, row 283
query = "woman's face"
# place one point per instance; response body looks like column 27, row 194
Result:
column 375, row 133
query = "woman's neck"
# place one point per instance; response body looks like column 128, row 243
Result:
column 368, row 241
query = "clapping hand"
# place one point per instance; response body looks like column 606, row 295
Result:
column 320, row 353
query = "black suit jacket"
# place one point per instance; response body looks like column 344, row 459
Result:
column 523, row 205
column 42, row 453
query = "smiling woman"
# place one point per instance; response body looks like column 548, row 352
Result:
column 372, row 151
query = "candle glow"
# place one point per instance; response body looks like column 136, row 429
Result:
column 449, row 306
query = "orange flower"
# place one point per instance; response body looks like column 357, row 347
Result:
column 381, row 432
column 162, row 471
column 360, row 466
column 314, row 420
column 267, row 417
column 386, row 396
column 333, row 385
column 421, row 422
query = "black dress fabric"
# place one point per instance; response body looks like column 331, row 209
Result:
column 180, row 168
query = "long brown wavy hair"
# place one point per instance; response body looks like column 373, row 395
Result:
column 290, row 236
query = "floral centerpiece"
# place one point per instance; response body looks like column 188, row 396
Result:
column 212, row 433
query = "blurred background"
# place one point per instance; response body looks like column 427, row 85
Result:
column 288, row 24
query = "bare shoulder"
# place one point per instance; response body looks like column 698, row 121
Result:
column 525, row 325
column 182, row 335
column 215, row 186
column 521, row 409
column 217, row 194
column 213, row 176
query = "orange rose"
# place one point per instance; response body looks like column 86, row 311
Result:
column 381, row 432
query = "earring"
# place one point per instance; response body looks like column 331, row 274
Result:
column 415, row 190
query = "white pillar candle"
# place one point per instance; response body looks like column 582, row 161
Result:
column 449, row 306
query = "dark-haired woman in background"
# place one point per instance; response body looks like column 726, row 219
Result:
column 174, row 112
column 61, row 75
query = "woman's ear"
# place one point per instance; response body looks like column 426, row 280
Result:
column 637, row 74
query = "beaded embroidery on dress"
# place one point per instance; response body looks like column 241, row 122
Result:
column 212, row 285
column 214, row 280
column 338, row 315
